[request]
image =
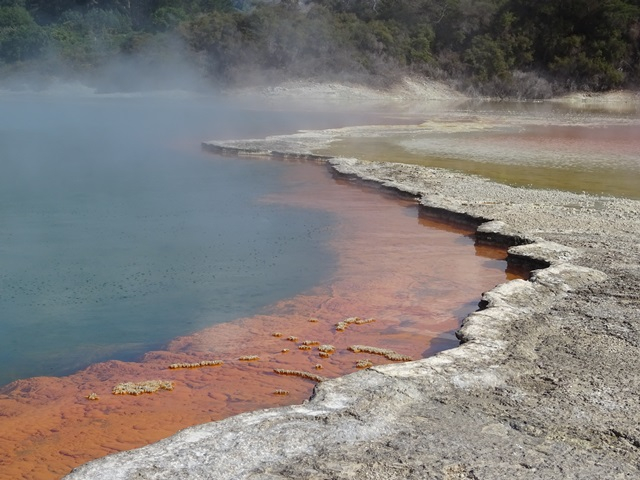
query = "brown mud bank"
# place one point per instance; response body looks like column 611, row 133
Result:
column 416, row 283
column 544, row 384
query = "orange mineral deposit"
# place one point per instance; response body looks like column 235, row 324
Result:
column 416, row 280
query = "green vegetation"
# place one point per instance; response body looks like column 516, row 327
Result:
column 526, row 48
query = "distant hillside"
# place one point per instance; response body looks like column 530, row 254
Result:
column 525, row 48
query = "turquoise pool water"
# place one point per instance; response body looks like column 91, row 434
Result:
column 117, row 233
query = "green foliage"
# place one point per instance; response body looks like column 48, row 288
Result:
column 12, row 3
column 588, row 43
column 218, row 5
column 167, row 18
column 14, row 17
column 264, row 41
column 420, row 46
column 498, row 44
column 20, row 37
column 487, row 59
column 48, row 11
column 85, row 39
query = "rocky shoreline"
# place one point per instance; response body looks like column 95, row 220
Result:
column 543, row 385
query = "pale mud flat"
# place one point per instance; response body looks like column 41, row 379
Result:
column 543, row 385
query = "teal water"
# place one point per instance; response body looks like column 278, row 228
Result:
column 117, row 233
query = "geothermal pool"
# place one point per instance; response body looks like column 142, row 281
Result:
column 125, row 249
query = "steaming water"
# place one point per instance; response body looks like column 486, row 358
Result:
column 117, row 233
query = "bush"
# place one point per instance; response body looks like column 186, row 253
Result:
column 20, row 37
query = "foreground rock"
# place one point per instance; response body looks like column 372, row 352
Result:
column 544, row 384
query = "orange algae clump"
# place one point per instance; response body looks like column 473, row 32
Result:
column 149, row 386
column 203, row 363
column 364, row 363
column 281, row 392
column 342, row 326
column 327, row 348
column 362, row 321
column 389, row 354
column 300, row 373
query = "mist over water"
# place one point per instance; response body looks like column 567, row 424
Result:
column 117, row 233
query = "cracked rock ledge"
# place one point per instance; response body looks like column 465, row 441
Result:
column 543, row 385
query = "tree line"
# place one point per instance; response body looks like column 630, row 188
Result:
column 530, row 48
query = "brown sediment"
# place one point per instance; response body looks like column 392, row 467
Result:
column 416, row 282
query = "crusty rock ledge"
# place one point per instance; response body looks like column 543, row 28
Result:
column 544, row 385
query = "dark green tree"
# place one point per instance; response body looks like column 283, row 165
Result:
column 20, row 37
